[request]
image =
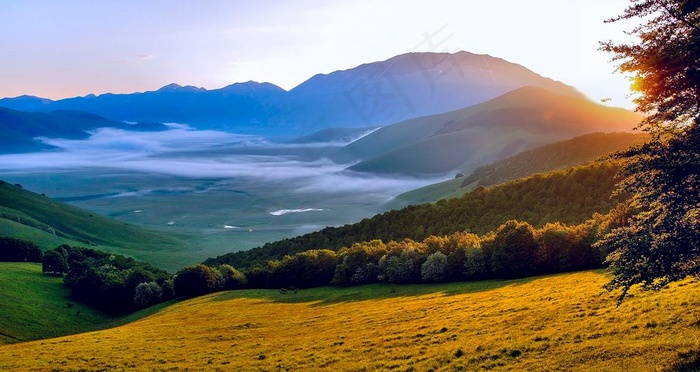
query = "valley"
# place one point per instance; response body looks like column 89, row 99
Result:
column 214, row 201
column 218, row 192
column 328, row 187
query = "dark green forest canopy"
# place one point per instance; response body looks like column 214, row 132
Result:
column 569, row 196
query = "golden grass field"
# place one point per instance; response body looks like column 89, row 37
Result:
column 561, row 322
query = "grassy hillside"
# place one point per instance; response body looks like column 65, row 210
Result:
column 576, row 151
column 570, row 196
column 36, row 306
column 558, row 322
column 464, row 139
column 32, row 216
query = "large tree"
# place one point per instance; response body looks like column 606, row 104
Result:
column 661, row 243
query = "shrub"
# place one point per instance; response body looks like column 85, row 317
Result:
column 54, row 263
column 475, row 264
column 433, row 269
column 18, row 250
column 147, row 294
column 358, row 264
column 310, row 268
column 232, row 278
column 397, row 269
column 196, row 280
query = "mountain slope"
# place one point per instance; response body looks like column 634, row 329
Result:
column 46, row 216
column 373, row 94
column 18, row 129
column 552, row 323
column 36, row 306
column 408, row 86
column 570, row 196
column 575, row 151
column 464, row 139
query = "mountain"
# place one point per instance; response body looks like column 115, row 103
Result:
column 564, row 154
column 408, row 86
column 569, row 196
column 370, row 95
column 35, row 217
column 461, row 140
column 329, row 135
column 18, row 129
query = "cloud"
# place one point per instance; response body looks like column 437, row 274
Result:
column 141, row 58
column 207, row 154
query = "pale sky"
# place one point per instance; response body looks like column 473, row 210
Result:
column 58, row 49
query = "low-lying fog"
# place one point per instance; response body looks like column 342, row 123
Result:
column 203, row 183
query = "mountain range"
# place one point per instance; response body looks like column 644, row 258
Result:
column 19, row 130
column 373, row 94
column 461, row 140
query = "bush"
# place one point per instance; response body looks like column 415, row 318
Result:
column 196, row 280
column 433, row 269
column 475, row 264
column 18, row 250
column 54, row 263
column 358, row 264
column 232, row 278
column 147, row 294
column 168, row 289
column 310, row 268
column 513, row 250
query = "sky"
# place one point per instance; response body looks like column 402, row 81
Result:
column 60, row 49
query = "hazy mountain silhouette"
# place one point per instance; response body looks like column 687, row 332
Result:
column 461, row 140
column 403, row 87
column 18, row 129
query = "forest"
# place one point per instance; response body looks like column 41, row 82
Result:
column 569, row 196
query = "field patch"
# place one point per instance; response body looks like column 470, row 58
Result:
column 559, row 322
column 36, row 306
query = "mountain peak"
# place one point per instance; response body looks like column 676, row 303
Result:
column 173, row 87
column 251, row 86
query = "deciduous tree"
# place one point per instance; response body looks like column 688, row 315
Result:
column 662, row 242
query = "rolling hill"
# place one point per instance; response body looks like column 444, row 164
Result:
column 576, row 151
column 36, row 306
column 369, row 95
column 48, row 222
column 462, row 140
column 560, row 322
column 570, row 196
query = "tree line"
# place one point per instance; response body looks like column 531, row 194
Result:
column 569, row 196
column 514, row 250
column 118, row 285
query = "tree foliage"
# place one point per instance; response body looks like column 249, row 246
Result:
column 18, row 250
column 570, row 196
column 663, row 61
column 434, row 267
column 661, row 243
column 514, row 250
column 197, row 280
column 103, row 280
column 147, row 294
column 54, row 262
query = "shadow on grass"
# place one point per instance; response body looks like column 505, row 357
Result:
column 687, row 362
column 323, row 296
